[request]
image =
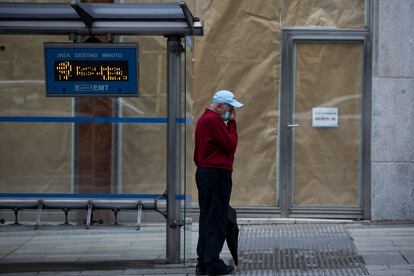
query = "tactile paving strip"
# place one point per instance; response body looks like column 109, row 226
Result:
column 298, row 249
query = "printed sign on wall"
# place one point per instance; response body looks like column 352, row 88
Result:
column 325, row 117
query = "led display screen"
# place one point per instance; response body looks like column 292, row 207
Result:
column 111, row 70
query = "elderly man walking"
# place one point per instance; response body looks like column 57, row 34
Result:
column 215, row 146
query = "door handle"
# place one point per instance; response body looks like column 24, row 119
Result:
column 293, row 125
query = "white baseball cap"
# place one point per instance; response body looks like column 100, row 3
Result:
column 225, row 96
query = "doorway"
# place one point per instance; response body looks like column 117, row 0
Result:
column 324, row 124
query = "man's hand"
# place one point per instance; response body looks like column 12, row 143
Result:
column 233, row 115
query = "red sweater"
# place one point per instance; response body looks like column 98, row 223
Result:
column 215, row 143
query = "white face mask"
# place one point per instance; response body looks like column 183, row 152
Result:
column 226, row 116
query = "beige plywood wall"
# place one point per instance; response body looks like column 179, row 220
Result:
column 240, row 51
column 345, row 14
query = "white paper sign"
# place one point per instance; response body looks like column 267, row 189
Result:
column 325, row 117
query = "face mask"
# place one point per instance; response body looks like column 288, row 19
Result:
column 226, row 116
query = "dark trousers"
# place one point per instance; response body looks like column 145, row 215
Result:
column 214, row 189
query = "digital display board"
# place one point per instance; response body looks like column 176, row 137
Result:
column 111, row 70
column 91, row 69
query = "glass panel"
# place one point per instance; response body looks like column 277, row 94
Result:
column 35, row 158
column 22, row 90
column 143, row 171
column 152, row 99
column 143, row 146
column 144, row 163
column 36, row 152
column 326, row 159
column 347, row 14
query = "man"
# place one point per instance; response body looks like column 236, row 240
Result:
column 215, row 146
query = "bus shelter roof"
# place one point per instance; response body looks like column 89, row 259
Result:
column 150, row 19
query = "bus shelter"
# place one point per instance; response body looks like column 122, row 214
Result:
column 174, row 21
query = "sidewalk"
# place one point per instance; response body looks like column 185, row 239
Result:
column 386, row 249
column 276, row 247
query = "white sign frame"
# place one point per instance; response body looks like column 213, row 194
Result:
column 325, row 117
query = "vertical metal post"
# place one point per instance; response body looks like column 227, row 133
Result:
column 285, row 118
column 174, row 49
column 371, row 14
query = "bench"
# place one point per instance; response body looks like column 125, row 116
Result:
column 80, row 203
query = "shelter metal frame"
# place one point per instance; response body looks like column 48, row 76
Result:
column 171, row 20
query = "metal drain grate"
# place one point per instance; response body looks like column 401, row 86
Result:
column 298, row 249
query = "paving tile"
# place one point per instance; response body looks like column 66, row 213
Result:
column 20, row 274
column 21, row 257
column 401, row 232
column 12, row 260
column 63, row 253
column 5, row 249
column 133, row 272
column 61, row 259
column 147, row 251
column 86, row 259
column 63, row 250
column 391, row 273
column 371, row 243
column 403, row 242
column 408, row 247
column 59, row 273
column 382, row 258
column 102, row 255
column 400, row 273
column 402, row 267
column 377, row 267
column 362, row 249
column 100, row 250
column 405, row 236
column 409, row 256
column 148, row 271
column 28, row 251
column 11, row 242
column 374, row 239
column 102, row 272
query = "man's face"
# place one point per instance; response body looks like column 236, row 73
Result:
column 223, row 109
column 226, row 107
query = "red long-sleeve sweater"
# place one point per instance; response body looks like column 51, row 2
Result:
column 215, row 143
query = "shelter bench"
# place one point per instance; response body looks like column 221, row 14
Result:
column 88, row 204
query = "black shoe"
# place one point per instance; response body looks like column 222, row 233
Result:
column 223, row 270
column 201, row 270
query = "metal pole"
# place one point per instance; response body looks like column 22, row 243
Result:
column 174, row 49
